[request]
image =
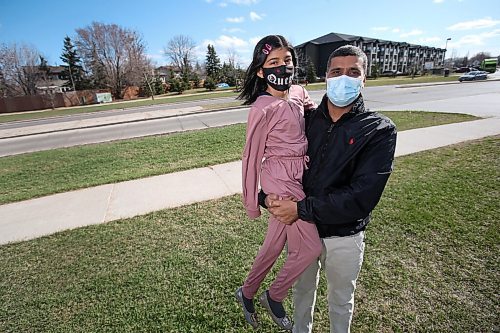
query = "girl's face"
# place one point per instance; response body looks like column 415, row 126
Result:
column 275, row 58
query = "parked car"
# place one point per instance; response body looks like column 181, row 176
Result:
column 391, row 73
column 222, row 85
column 473, row 75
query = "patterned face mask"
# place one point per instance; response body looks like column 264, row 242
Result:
column 343, row 90
column 279, row 77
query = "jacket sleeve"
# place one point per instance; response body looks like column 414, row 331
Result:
column 252, row 160
column 356, row 200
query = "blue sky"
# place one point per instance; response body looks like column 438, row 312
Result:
column 236, row 25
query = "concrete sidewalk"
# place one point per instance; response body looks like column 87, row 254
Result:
column 43, row 216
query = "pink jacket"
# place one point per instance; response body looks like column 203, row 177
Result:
column 275, row 147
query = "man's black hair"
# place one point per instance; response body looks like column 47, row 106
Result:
column 348, row 50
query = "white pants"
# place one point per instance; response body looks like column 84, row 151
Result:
column 341, row 259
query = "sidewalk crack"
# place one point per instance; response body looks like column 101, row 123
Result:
column 108, row 204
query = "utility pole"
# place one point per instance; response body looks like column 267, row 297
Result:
column 445, row 48
column 149, row 85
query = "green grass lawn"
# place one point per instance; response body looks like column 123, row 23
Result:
column 41, row 173
column 198, row 94
column 431, row 262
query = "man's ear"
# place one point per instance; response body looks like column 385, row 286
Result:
column 260, row 73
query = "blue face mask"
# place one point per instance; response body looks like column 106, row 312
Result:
column 343, row 90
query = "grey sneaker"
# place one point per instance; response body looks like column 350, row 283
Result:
column 284, row 323
column 250, row 317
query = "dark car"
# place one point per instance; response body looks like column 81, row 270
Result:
column 473, row 75
column 390, row 73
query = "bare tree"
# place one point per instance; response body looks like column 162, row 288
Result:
column 18, row 69
column 115, row 56
column 480, row 57
column 232, row 57
column 180, row 51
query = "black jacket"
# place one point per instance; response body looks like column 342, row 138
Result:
column 350, row 163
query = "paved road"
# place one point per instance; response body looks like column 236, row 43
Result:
column 464, row 98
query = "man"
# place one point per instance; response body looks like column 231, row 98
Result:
column 351, row 153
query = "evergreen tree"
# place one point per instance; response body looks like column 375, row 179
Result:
column 43, row 67
column 195, row 78
column 228, row 74
column 73, row 69
column 209, row 84
column 158, row 86
column 310, row 72
column 212, row 63
column 375, row 71
column 178, row 85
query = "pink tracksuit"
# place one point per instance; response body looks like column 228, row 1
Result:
column 275, row 154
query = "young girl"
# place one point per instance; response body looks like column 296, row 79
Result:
column 275, row 154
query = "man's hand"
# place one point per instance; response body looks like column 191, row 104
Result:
column 270, row 199
column 284, row 210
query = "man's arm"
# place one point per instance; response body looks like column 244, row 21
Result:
column 351, row 202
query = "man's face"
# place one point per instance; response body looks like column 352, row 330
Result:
column 349, row 65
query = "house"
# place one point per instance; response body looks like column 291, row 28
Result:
column 53, row 81
column 165, row 73
column 387, row 55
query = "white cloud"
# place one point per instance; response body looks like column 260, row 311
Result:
column 474, row 40
column 209, row 1
column 235, row 19
column 486, row 22
column 438, row 1
column 222, row 4
column 244, row 2
column 233, row 30
column 380, row 28
column 226, row 42
column 156, row 56
column 414, row 32
column 255, row 40
column 396, row 30
column 255, row 17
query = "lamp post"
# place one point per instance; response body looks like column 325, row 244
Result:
column 445, row 48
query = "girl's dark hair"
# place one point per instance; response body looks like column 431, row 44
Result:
column 253, row 84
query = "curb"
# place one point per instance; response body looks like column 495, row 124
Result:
column 411, row 85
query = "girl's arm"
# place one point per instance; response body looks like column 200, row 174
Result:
column 252, row 159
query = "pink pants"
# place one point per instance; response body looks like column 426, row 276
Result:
column 304, row 247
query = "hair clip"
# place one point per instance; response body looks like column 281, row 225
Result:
column 266, row 49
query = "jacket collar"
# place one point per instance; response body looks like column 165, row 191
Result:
column 357, row 108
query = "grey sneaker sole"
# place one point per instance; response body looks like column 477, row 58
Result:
column 250, row 317
column 284, row 323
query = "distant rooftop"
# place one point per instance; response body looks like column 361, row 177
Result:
column 337, row 37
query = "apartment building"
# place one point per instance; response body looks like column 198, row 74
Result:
column 388, row 55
